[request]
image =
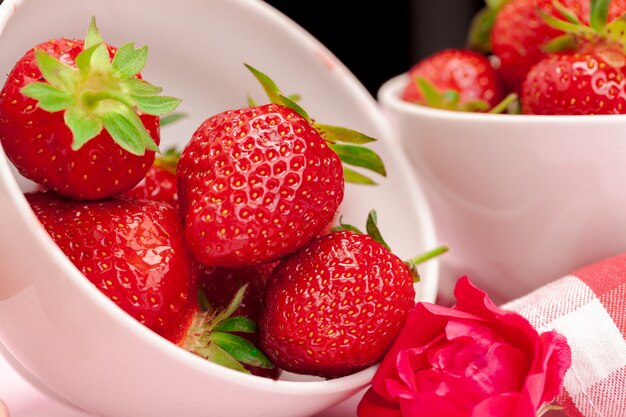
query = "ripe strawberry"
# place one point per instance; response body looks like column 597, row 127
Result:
column 335, row 306
column 133, row 251
column 77, row 118
column 159, row 184
column 454, row 79
column 257, row 183
column 520, row 34
column 586, row 82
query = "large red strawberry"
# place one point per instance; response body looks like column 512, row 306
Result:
column 77, row 118
column 257, row 183
column 586, row 82
column 520, row 33
column 159, row 184
column 133, row 251
column 335, row 306
column 454, row 79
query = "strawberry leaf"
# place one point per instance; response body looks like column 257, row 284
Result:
column 269, row 86
column 431, row 95
column 616, row 30
column 236, row 324
column 137, row 87
column 560, row 43
column 156, row 105
column 83, row 59
column 479, row 34
column 287, row 102
column 83, row 126
column 128, row 131
column 360, row 157
column 241, row 349
column 599, row 14
column 233, row 305
column 100, row 59
column 217, row 355
column 372, row 229
column 496, row 4
column 128, row 60
column 354, row 177
column 342, row 134
column 505, row 104
column 345, row 226
column 171, row 118
column 49, row 98
column 55, row 72
column 251, row 102
column 203, row 301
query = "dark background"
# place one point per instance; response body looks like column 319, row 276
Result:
column 377, row 40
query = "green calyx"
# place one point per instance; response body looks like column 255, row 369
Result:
column 371, row 226
column 346, row 143
column 212, row 337
column 597, row 32
column 168, row 160
column 101, row 93
column 479, row 34
column 448, row 99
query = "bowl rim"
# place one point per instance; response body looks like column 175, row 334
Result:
column 389, row 95
column 175, row 353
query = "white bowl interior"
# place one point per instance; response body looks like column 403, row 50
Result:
column 197, row 53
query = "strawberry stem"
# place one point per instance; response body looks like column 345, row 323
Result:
column 503, row 106
column 426, row 256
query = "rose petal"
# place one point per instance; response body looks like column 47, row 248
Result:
column 545, row 378
column 430, row 405
column 558, row 356
column 421, row 329
column 479, row 331
column 504, row 405
column 373, row 405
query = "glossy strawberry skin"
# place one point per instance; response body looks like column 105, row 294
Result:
column 159, row 184
column 466, row 72
column 132, row 251
column 579, row 83
column 255, row 184
column 519, row 34
column 335, row 307
column 38, row 142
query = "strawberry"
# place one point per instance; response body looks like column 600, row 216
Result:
column 159, row 184
column 585, row 74
column 520, row 33
column 335, row 306
column 257, row 183
column 220, row 284
column 585, row 82
column 77, row 118
column 132, row 251
column 454, row 79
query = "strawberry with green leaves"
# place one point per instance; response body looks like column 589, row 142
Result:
column 335, row 306
column 134, row 252
column 586, row 72
column 76, row 117
column 454, row 79
column 257, row 183
column 517, row 33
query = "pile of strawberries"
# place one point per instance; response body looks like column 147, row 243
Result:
column 553, row 57
column 237, row 231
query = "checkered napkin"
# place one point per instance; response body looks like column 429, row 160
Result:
column 589, row 308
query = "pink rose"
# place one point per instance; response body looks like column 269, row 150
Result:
column 471, row 360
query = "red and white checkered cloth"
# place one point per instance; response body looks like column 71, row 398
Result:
column 589, row 308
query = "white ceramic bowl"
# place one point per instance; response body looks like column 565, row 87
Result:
column 71, row 339
column 520, row 200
